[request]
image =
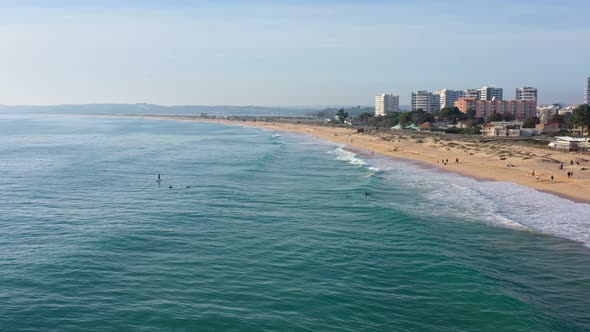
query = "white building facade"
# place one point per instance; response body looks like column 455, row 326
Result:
column 471, row 93
column 526, row 93
column 425, row 100
column 386, row 103
column 490, row 93
column 587, row 92
column 546, row 112
column 447, row 98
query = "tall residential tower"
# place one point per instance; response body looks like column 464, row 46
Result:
column 587, row 93
column 427, row 101
column 526, row 93
column 386, row 103
column 490, row 93
column 448, row 97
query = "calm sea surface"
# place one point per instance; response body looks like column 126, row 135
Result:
column 274, row 234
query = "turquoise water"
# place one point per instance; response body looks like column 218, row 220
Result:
column 274, row 233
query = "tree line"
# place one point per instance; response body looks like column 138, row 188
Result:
column 365, row 116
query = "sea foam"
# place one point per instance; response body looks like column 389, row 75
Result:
column 352, row 158
column 502, row 204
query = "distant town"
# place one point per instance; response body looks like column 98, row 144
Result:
column 481, row 111
column 484, row 111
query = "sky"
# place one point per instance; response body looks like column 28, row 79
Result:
column 286, row 53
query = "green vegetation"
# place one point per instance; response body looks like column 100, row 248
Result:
column 451, row 115
column 581, row 117
column 341, row 115
column 530, row 122
column 330, row 113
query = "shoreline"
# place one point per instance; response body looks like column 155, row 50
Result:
column 474, row 160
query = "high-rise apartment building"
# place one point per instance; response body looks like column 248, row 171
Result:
column 520, row 109
column 448, row 97
column 386, row 103
column 526, row 93
column 587, row 93
column 490, row 93
column 471, row 94
column 425, row 100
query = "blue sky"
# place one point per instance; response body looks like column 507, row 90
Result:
column 320, row 52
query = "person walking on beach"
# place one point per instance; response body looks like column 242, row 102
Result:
column 533, row 172
column 537, row 178
column 551, row 177
column 457, row 160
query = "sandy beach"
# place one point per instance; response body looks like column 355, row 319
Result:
column 490, row 161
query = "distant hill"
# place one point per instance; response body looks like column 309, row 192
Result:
column 156, row 109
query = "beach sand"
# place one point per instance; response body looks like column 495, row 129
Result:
column 476, row 159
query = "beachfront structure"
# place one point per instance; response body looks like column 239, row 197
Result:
column 567, row 143
column 546, row 112
column 425, row 100
column 502, row 128
column 546, row 128
column 490, row 93
column 385, row 104
column 447, row 98
column 587, row 92
column 520, row 109
column 526, row 93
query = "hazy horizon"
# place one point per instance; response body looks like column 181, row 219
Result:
column 305, row 53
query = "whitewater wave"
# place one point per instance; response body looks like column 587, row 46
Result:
column 352, row 158
column 501, row 204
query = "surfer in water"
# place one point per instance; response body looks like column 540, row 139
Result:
column 366, row 194
column 159, row 179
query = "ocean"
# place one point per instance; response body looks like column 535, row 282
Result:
column 254, row 230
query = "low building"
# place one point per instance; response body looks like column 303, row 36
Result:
column 441, row 124
column 519, row 109
column 502, row 129
column 567, row 143
column 546, row 112
column 461, row 124
column 427, row 126
column 547, row 128
column 567, row 110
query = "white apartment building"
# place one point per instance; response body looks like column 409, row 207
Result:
column 490, row 93
column 545, row 112
column 526, row 93
column 587, row 92
column 471, row 94
column 386, row 103
column 425, row 100
column 448, row 98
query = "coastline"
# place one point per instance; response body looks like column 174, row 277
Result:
column 476, row 160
